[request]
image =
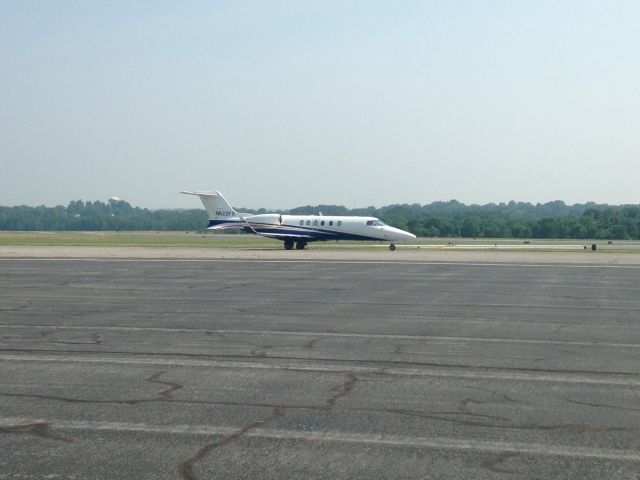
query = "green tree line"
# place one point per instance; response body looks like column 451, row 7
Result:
column 438, row 219
column 115, row 215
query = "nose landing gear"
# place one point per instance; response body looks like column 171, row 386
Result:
column 392, row 247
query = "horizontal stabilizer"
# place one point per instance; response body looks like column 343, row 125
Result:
column 202, row 194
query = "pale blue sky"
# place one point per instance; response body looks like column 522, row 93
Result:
column 280, row 104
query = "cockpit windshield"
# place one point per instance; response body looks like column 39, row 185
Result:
column 375, row 223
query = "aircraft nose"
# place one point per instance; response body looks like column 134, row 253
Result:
column 406, row 235
column 397, row 234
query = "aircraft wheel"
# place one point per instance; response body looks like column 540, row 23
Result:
column 392, row 247
column 301, row 245
column 288, row 244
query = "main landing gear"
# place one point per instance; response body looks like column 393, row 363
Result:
column 288, row 244
column 392, row 247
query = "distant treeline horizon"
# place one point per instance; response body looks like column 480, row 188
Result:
column 553, row 219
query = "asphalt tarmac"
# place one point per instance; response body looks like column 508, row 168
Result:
column 267, row 369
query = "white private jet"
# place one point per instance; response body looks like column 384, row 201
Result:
column 298, row 229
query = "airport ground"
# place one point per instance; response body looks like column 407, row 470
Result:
column 129, row 362
column 194, row 240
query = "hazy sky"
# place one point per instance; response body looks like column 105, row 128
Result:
column 280, row 104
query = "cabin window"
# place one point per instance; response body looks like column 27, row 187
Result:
column 301, row 222
column 315, row 223
column 322, row 223
column 331, row 223
column 339, row 222
column 308, row 222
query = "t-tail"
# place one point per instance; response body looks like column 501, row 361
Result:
column 221, row 213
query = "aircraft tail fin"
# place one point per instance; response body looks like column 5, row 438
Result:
column 216, row 205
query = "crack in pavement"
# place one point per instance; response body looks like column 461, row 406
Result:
column 93, row 339
column 385, row 364
column 603, row 405
column 42, row 430
column 164, row 395
column 260, row 351
column 311, row 343
column 463, row 416
column 498, row 394
column 463, row 406
column 441, row 416
column 172, row 385
column 72, row 342
column 186, row 468
column 341, row 390
column 78, row 400
column 495, row 464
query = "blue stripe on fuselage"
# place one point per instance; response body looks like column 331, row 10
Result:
column 310, row 235
column 287, row 231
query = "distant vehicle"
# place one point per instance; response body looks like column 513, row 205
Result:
column 298, row 230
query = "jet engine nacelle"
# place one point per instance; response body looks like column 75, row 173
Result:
column 267, row 218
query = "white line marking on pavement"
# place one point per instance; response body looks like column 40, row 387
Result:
column 447, row 371
column 380, row 336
